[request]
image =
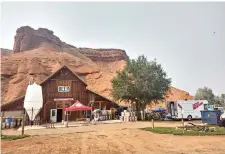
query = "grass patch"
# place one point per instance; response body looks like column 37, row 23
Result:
column 13, row 137
column 169, row 130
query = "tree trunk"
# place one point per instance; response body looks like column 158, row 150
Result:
column 138, row 114
column 143, row 109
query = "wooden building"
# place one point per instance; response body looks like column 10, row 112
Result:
column 60, row 90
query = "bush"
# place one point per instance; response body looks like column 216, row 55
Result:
column 13, row 137
column 154, row 115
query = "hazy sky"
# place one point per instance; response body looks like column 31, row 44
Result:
column 179, row 35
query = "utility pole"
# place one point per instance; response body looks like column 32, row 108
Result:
column 23, row 123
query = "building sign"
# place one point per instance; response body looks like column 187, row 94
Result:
column 63, row 99
column 63, row 88
column 196, row 105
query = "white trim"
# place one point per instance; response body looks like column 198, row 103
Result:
column 63, row 99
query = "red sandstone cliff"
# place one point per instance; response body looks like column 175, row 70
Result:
column 39, row 53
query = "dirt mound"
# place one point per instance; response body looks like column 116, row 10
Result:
column 39, row 53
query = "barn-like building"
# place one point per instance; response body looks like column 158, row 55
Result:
column 60, row 90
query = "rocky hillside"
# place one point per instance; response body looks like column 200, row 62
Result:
column 28, row 38
column 39, row 53
column 172, row 95
column 104, row 54
column 5, row 52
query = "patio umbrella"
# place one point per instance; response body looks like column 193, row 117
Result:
column 78, row 106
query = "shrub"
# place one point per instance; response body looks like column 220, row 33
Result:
column 168, row 130
column 13, row 137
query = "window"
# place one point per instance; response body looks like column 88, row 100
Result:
column 59, row 105
column 53, row 113
column 67, row 105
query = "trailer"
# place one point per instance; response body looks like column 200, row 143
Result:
column 191, row 109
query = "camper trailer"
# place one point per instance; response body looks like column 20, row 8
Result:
column 191, row 109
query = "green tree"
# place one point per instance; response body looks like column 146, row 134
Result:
column 141, row 82
column 205, row 94
column 220, row 100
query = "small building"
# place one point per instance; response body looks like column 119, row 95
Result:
column 61, row 90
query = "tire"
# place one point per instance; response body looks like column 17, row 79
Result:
column 189, row 117
column 223, row 122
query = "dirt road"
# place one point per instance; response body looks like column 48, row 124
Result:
column 94, row 128
column 114, row 140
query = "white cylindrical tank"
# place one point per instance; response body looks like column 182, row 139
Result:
column 33, row 101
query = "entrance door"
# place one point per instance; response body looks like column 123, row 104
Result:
column 59, row 115
column 53, row 115
column 172, row 107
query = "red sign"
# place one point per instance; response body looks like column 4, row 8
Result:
column 196, row 105
column 179, row 106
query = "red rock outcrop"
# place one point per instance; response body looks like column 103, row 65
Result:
column 108, row 55
column 28, row 38
column 39, row 53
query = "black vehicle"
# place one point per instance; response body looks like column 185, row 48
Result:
column 119, row 110
column 159, row 113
